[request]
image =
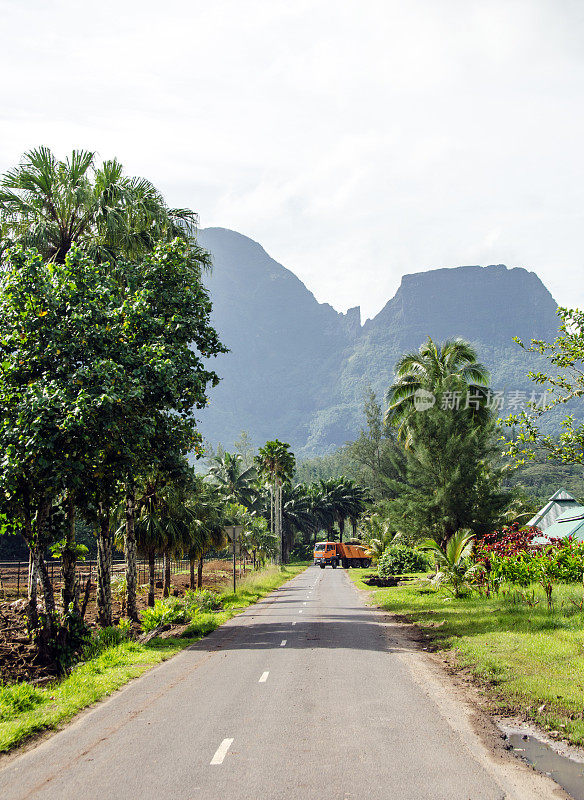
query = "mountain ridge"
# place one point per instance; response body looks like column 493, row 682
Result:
column 298, row 369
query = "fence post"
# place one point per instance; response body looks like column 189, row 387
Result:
column 18, row 581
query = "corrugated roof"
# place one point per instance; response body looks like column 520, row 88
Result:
column 570, row 523
column 558, row 503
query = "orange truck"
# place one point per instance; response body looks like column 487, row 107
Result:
column 339, row 553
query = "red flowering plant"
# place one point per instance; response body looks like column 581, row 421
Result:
column 509, row 541
column 506, row 555
column 511, row 555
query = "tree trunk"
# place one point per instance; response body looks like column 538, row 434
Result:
column 48, row 594
column 69, row 558
column 104, row 565
column 287, row 543
column 166, row 574
column 152, row 571
column 200, row 573
column 130, row 553
column 42, row 515
column 192, row 573
column 341, row 528
column 33, row 571
column 37, row 567
column 278, row 516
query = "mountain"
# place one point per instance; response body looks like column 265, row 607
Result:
column 298, row 369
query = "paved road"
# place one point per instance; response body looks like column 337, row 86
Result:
column 303, row 696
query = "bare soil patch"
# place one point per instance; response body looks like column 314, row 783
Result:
column 18, row 658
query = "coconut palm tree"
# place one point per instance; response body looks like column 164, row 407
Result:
column 437, row 368
column 237, row 483
column 52, row 205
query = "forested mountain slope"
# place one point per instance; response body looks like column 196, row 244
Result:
column 298, row 369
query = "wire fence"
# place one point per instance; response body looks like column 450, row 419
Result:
column 14, row 574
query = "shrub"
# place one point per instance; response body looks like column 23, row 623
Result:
column 176, row 610
column 18, row 697
column 120, row 591
column 169, row 610
column 104, row 638
column 563, row 559
column 398, row 559
column 203, row 600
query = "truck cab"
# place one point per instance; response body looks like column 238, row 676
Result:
column 325, row 553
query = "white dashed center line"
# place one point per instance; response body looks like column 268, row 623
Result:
column 221, row 751
column 264, row 677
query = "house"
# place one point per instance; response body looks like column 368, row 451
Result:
column 558, row 503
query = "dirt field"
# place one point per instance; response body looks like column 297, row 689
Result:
column 17, row 660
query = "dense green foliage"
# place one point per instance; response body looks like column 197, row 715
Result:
column 399, row 559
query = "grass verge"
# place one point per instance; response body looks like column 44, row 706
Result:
column 528, row 659
column 26, row 710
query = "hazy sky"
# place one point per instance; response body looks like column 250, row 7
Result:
column 355, row 140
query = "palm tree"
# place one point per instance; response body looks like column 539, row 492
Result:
column 343, row 500
column 236, row 482
column 164, row 525
column 451, row 366
column 377, row 534
column 358, row 499
column 259, row 541
column 52, row 205
column 207, row 508
column 297, row 514
column 149, row 539
column 453, row 560
column 275, row 464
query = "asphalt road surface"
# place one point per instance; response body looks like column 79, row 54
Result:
column 306, row 695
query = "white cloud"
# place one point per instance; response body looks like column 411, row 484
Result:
column 356, row 141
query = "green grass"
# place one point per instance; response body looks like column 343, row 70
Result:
column 525, row 657
column 26, row 710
